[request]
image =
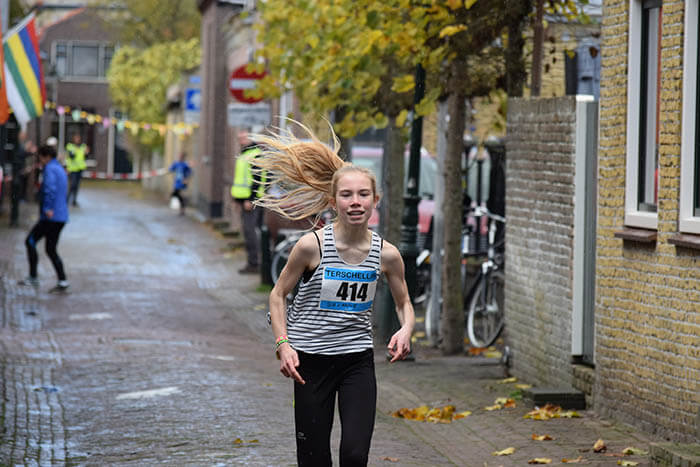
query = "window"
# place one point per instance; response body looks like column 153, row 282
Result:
column 644, row 71
column 82, row 60
column 689, row 219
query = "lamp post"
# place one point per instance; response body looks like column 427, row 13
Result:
column 409, row 220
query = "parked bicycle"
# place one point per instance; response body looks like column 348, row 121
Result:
column 484, row 297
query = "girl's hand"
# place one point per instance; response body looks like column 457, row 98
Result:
column 400, row 344
column 289, row 362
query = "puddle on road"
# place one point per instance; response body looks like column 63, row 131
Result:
column 89, row 316
column 149, row 393
column 222, row 357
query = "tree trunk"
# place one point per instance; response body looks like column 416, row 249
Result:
column 537, row 50
column 452, row 316
column 514, row 59
column 391, row 204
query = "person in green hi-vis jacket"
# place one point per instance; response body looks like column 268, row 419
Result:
column 76, row 152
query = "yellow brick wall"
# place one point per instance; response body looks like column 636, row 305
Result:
column 647, row 296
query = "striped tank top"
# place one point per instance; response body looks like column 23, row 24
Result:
column 331, row 313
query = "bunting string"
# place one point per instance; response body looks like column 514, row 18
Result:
column 181, row 129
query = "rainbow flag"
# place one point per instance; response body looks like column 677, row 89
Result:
column 4, row 106
column 24, row 80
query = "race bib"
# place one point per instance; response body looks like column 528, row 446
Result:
column 348, row 289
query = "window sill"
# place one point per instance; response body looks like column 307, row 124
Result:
column 637, row 235
column 685, row 241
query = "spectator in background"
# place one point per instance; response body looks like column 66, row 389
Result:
column 25, row 148
column 247, row 187
column 76, row 152
column 182, row 172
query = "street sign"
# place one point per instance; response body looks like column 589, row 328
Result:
column 248, row 115
column 242, row 80
column 193, row 99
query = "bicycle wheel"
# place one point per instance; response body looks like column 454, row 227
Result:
column 279, row 259
column 485, row 311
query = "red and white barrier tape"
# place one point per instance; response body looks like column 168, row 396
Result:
column 124, row 176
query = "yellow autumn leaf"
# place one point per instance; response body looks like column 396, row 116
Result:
column 401, row 118
column 578, row 460
column 419, row 334
column 451, row 30
column 523, row 386
column 630, row 451
column 505, row 452
column 569, row 414
column 540, row 460
column 508, row 380
column 414, row 339
column 501, row 401
column 469, row 3
column 460, row 415
column 627, row 463
column 493, row 407
column 542, row 437
column 599, row 446
column 403, row 83
column 454, row 4
column 420, row 319
column 390, row 459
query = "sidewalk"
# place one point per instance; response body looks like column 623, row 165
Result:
column 160, row 354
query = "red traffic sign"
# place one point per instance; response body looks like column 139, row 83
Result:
column 242, row 80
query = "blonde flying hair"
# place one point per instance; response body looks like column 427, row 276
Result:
column 307, row 172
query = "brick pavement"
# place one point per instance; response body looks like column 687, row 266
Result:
column 74, row 368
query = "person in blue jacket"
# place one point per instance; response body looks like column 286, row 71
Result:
column 53, row 215
column 182, row 172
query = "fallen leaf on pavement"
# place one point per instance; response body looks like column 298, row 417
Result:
column 477, row 350
column 493, row 354
column 390, row 459
column 523, row 386
column 548, row 412
column 508, row 380
column 505, row 452
column 419, row 334
column 420, row 319
column 493, row 407
column 578, row 460
column 599, row 446
column 441, row 414
column 540, row 460
column 630, row 451
column 542, row 437
column 627, row 463
column 418, row 413
column 436, row 415
column 240, row 441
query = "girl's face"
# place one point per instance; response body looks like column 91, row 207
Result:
column 354, row 198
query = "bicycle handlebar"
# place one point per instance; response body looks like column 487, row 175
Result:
column 482, row 211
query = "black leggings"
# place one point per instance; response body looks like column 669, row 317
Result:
column 352, row 378
column 50, row 230
column 176, row 193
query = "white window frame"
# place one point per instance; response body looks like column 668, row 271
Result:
column 687, row 222
column 70, row 44
column 633, row 216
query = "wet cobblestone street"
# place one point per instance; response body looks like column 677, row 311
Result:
column 160, row 353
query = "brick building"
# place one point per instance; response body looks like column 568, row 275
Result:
column 643, row 303
column 76, row 47
column 648, row 243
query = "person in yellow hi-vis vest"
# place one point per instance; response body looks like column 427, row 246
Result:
column 246, row 188
column 76, row 152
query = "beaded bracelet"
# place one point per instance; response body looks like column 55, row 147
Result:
column 280, row 340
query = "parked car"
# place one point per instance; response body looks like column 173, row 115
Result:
column 370, row 157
